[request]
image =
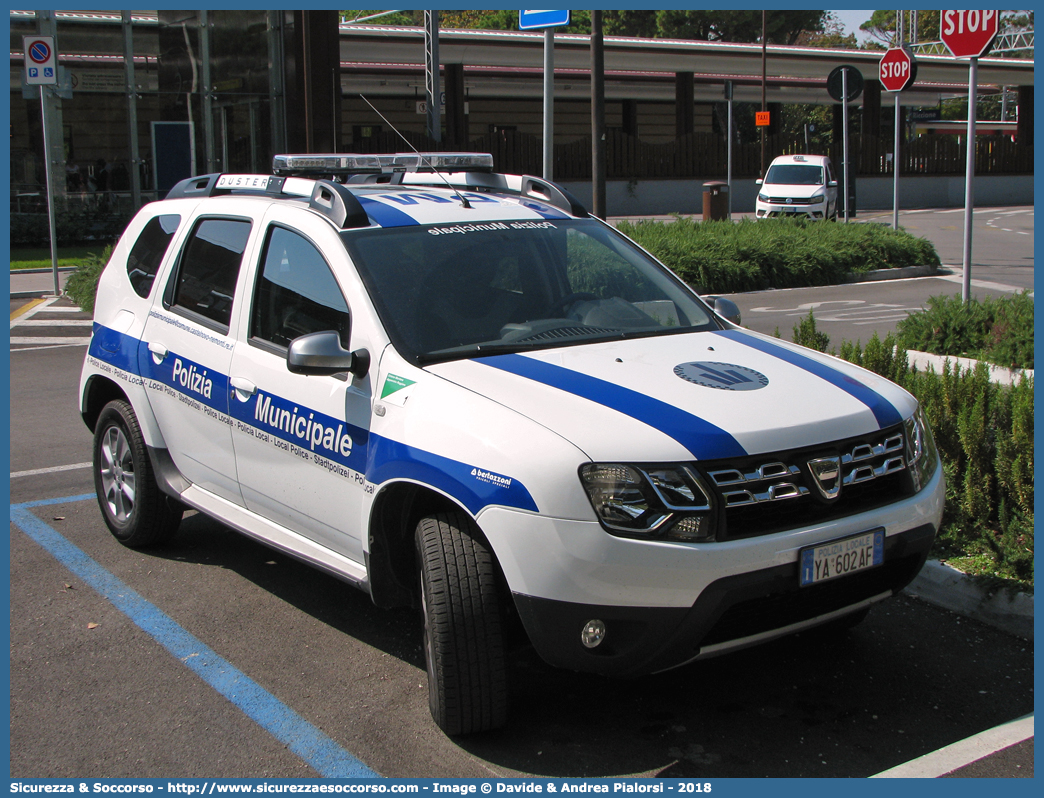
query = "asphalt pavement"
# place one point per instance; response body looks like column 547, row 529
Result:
column 1003, row 751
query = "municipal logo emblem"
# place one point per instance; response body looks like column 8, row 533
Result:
column 723, row 376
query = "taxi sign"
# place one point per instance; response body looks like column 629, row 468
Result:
column 762, row 118
column 41, row 60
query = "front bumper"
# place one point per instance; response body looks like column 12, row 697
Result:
column 665, row 604
column 730, row 613
column 764, row 210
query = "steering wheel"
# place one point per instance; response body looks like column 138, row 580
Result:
column 571, row 299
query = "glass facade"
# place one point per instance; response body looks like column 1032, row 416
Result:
column 196, row 96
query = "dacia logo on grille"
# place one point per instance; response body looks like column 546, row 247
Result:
column 826, row 473
column 724, row 376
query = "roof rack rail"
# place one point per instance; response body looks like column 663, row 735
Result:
column 331, row 199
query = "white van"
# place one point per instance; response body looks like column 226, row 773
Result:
column 798, row 185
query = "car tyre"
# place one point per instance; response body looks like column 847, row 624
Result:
column 463, row 625
column 137, row 513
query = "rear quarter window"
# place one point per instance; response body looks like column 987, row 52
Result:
column 148, row 251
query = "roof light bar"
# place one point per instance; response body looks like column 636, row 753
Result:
column 335, row 164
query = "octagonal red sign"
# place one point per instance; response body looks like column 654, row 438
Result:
column 896, row 70
column 969, row 34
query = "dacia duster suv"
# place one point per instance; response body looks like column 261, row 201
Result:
column 458, row 391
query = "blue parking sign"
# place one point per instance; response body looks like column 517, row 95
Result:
column 532, row 20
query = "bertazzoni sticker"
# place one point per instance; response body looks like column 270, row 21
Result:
column 723, row 376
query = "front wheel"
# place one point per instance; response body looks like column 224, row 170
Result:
column 463, row 625
column 137, row 513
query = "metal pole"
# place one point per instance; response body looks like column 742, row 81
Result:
column 844, row 129
column 50, row 194
column 895, row 169
column 132, row 108
column 208, row 96
column 969, row 177
column 597, row 116
column 549, row 103
column 433, row 89
column 895, row 147
column 764, row 78
column 729, row 173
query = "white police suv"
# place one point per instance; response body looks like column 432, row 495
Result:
column 458, row 391
column 798, row 185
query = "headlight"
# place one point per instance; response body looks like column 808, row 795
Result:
column 650, row 502
column 921, row 455
column 816, row 199
column 763, row 198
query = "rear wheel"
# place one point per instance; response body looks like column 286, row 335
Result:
column 137, row 513
column 463, row 625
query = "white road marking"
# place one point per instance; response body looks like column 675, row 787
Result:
column 53, row 470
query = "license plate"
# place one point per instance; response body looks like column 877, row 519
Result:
column 842, row 557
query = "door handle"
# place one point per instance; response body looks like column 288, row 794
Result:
column 242, row 387
column 158, row 350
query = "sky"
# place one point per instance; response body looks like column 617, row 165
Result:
column 852, row 20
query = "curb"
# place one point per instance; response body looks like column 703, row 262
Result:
column 1003, row 608
column 998, row 374
column 902, row 273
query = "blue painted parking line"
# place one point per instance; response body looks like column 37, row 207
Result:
column 305, row 740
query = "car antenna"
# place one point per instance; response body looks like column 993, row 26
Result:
column 463, row 200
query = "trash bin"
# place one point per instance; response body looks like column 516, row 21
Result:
column 715, row 200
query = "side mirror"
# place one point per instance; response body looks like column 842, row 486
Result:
column 321, row 353
column 725, row 308
column 758, row 182
column 832, row 184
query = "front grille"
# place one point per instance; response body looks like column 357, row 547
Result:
column 790, row 200
column 764, row 494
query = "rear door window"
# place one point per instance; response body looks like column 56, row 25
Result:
column 204, row 285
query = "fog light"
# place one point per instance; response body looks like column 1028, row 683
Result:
column 693, row 527
column 593, row 633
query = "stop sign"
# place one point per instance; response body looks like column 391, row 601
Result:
column 897, row 69
column 969, row 34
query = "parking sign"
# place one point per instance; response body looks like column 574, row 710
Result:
column 41, row 61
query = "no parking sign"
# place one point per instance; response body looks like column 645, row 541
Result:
column 41, row 61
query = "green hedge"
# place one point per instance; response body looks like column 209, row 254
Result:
column 82, row 284
column 754, row 254
column 984, row 432
column 999, row 331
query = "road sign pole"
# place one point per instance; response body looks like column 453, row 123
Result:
column 969, row 177
column 728, row 175
column 895, row 168
column 50, row 194
column 844, row 128
column 549, row 102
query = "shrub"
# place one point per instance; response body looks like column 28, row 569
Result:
column 82, row 284
column 753, row 254
column 999, row 331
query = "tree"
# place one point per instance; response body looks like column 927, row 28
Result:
column 782, row 27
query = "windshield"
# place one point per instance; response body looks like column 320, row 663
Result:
column 795, row 175
column 455, row 291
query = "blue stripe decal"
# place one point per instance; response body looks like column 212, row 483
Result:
column 385, row 215
column 306, row 741
column 333, row 443
column 704, row 440
column 473, row 487
column 883, row 410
